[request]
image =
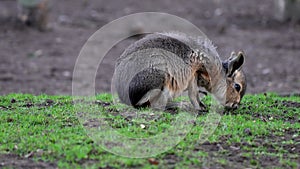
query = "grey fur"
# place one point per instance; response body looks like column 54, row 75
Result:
column 159, row 67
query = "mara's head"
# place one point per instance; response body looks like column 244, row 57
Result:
column 235, row 79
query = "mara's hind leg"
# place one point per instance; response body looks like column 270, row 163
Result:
column 146, row 88
column 156, row 99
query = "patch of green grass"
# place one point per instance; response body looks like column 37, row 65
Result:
column 56, row 129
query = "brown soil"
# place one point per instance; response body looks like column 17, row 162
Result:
column 42, row 62
column 14, row 161
column 272, row 51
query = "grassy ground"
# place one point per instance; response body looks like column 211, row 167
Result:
column 45, row 132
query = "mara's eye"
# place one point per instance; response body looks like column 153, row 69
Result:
column 237, row 87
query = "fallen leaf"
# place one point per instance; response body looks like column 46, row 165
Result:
column 153, row 161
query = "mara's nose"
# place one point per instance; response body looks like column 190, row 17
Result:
column 232, row 106
column 235, row 106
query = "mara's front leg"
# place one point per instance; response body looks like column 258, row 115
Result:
column 194, row 95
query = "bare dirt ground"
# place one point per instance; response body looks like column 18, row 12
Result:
column 42, row 62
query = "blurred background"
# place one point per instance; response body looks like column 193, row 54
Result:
column 38, row 55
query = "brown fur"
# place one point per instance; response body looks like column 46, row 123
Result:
column 188, row 63
column 172, row 85
column 234, row 97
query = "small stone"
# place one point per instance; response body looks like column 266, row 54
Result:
column 266, row 71
column 38, row 53
column 66, row 74
column 218, row 12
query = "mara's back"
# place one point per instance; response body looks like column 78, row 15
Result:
column 159, row 61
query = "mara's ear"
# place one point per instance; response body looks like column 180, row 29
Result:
column 234, row 63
